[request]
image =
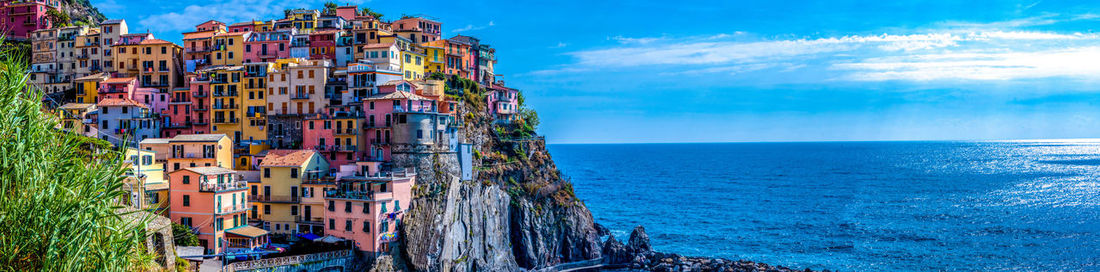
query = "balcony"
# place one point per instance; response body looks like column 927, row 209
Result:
column 179, row 101
column 308, row 220
column 199, row 94
column 225, row 107
column 225, row 120
column 154, row 84
column 200, row 109
column 225, row 94
column 192, row 155
column 231, row 209
column 300, row 96
column 213, row 186
column 274, row 199
column 200, row 122
column 350, row 194
column 177, row 125
column 199, row 49
column 347, row 131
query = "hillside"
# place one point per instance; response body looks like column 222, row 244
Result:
column 81, row 12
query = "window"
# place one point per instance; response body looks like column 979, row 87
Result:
column 347, row 225
column 293, row 172
column 186, row 221
column 366, row 226
column 267, row 172
column 293, row 210
column 267, row 209
column 347, row 206
column 331, row 206
column 366, row 207
column 186, row 179
column 332, row 224
column 186, row 201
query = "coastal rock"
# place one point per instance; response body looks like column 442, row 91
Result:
column 639, row 241
column 614, row 252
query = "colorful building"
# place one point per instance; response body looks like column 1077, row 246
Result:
column 268, row 46
column 22, row 17
column 418, row 29
column 124, row 121
column 212, row 201
column 367, row 207
column 87, row 87
column 199, row 150
column 277, row 197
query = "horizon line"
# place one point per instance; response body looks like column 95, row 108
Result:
column 841, row 141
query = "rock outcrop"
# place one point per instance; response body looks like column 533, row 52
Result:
column 517, row 212
column 639, row 255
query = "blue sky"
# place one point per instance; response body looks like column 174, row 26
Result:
column 719, row 71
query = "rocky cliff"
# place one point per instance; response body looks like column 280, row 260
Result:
column 82, row 12
column 516, row 213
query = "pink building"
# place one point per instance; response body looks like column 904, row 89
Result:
column 267, row 46
column 367, row 207
column 322, row 44
column 213, row 202
column 417, row 29
column 335, row 135
column 503, row 102
column 200, row 105
column 394, row 97
column 119, row 87
column 347, row 12
column 177, row 117
column 21, row 17
column 157, row 101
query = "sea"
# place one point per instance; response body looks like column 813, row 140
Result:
column 853, row 206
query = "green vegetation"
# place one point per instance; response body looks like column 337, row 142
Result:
column 59, row 207
column 330, row 8
column 183, row 235
column 58, row 18
column 368, row 11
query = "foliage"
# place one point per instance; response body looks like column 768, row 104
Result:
column 286, row 13
column 437, row 76
column 58, row 18
column 330, row 8
column 59, row 208
column 184, row 236
column 182, row 265
column 372, row 13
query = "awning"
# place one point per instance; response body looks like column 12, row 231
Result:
column 247, row 231
column 308, row 236
column 329, row 239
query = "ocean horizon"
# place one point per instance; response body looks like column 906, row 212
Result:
column 853, row 206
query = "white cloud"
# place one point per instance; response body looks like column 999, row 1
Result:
column 935, row 55
column 473, row 27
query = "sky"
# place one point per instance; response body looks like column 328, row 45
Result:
column 736, row 71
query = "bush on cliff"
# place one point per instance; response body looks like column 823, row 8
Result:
column 59, row 206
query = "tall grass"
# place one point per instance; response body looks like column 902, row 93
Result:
column 58, row 200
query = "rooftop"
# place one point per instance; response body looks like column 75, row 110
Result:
column 284, row 157
column 112, row 102
column 210, row 170
column 198, row 137
column 154, row 141
column 118, row 80
column 397, row 95
column 76, row 106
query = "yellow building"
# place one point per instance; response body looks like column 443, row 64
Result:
column 277, row 199
column 305, row 20
column 200, row 150
column 435, row 56
column 87, row 88
column 155, row 63
column 229, row 48
column 146, row 180
column 75, row 119
column 412, row 64
column 226, row 115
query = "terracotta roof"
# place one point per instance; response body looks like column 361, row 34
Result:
column 154, row 141
column 109, row 102
column 227, row 34
column 198, row 137
column 397, row 95
column 283, row 157
column 331, row 31
column 210, row 170
column 99, row 76
column 71, row 106
column 397, row 81
column 198, row 35
column 242, row 24
column 119, row 80
column 156, row 41
column 378, row 45
column 247, row 231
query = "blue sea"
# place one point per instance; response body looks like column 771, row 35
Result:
column 853, row 206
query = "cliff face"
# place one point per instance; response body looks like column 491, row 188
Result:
column 82, row 11
column 516, row 213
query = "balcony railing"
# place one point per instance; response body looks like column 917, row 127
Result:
column 224, row 186
column 347, row 131
column 179, row 101
column 231, row 209
column 308, row 220
column 225, row 120
column 300, row 96
column 200, row 94
column 225, row 106
column 349, row 194
column 224, row 93
column 274, row 199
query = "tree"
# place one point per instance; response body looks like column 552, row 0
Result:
column 330, row 8
column 184, row 236
column 59, row 207
column 368, row 11
column 58, row 18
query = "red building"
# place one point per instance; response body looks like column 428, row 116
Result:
column 21, row 17
column 322, row 44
